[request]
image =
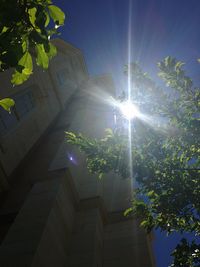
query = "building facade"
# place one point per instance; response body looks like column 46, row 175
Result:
column 53, row 212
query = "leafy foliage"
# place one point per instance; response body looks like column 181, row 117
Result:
column 104, row 155
column 7, row 103
column 165, row 152
column 186, row 254
column 25, row 34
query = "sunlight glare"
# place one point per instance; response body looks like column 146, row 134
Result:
column 129, row 110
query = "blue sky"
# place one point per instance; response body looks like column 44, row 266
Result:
column 158, row 28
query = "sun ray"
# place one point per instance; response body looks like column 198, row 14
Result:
column 129, row 90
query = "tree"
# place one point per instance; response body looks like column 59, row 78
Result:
column 26, row 27
column 165, row 155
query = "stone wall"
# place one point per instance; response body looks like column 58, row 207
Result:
column 51, row 90
column 56, row 229
column 41, row 232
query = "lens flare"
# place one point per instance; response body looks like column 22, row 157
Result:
column 72, row 159
column 129, row 110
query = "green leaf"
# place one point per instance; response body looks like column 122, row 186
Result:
column 100, row 176
column 109, row 131
column 47, row 19
column 42, row 57
column 4, row 29
column 178, row 65
column 52, row 51
column 150, row 193
column 23, row 70
column 24, row 46
column 144, row 223
column 56, row 14
column 127, row 211
column 7, row 103
column 19, row 77
column 26, row 63
column 32, row 15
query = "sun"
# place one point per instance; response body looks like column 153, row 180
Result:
column 129, row 110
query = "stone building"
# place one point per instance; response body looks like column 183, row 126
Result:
column 52, row 212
